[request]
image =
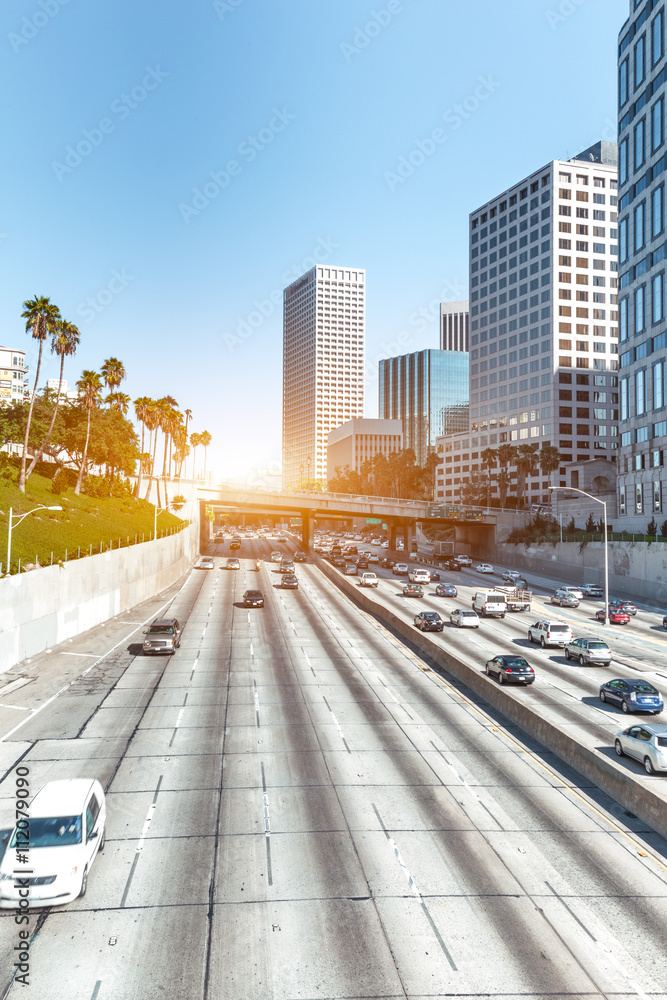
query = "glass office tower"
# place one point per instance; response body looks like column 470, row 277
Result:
column 428, row 392
column 642, row 170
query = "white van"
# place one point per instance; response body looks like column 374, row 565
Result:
column 489, row 603
column 67, row 829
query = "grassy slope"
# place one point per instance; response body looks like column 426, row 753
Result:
column 82, row 522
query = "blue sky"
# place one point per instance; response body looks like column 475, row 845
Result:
column 168, row 168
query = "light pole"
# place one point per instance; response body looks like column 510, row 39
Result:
column 308, row 460
column 158, row 510
column 11, row 526
column 573, row 489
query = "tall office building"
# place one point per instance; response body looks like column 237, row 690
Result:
column 454, row 326
column 543, row 314
column 428, row 392
column 642, row 170
column 359, row 440
column 323, row 362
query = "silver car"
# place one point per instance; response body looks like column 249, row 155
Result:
column 464, row 618
column 588, row 651
column 647, row 743
column 565, row 599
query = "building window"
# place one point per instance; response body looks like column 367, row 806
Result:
column 657, row 124
column 640, row 238
column 657, row 211
column 623, row 82
column 640, row 309
column 657, row 38
column 640, row 392
column 623, row 161
column 658, row 290
column 639, row 498
column 623, row 319
column 640, row 143
column 623, row 241
column 659, row 385
column 657, row 495
column 640, row 61
column 623, row 385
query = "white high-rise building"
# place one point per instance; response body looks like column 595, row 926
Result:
column 544, row 318
column 323, row 365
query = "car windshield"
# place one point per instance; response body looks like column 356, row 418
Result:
column 161, row 630
column 253, row 593
column 642, row 687
column 53, row 831
column 431, row 616
column 598, row 645
column 515, row 661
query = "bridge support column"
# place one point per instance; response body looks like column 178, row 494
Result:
column 410, row 534
column 392, row 535
column 306, row 529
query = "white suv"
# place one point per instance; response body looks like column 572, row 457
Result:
column 400, row 569
column 368, row 580
column 419, row 576
column 549, row 633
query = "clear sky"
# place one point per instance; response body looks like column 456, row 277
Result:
column 168, row 167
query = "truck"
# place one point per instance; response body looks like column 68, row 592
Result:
column 517, row 599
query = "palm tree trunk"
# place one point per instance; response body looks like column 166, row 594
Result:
column 53, row 420
column 205, row 451
column 24, row 457
column 138, row 486
column 77, row 488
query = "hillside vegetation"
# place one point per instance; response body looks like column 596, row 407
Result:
column 86, row 520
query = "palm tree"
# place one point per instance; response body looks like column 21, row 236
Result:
column 113, row 372
column 549, row 459
column 152, row 421
column 205, row 439
column 120, row 400
column 42, row 316
column 195, row 441
column 526, row 465
column 504, row 481
column 188, row 417
column 64, row 342
column 506, row 457
column 140, row 409
column 489, row 459
column 90, row 389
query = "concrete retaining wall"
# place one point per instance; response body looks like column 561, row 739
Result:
column 605, row 772
column 46, row 606
column 636, row 569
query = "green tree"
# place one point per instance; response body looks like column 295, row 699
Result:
column 475, row 489
column 504, row 483
column 652, row 527
column 120, row 401
column 549, row 460
column 526, row 465
column 489, row 459
column 205, row 440
column 141, row 405
column 41, row 316
column 90, row 389
column 195, row 441
column 590, row 524
column 663, row 529
column 113, row 372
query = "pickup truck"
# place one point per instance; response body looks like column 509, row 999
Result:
column 516, row 599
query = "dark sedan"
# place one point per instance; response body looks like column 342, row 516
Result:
column 413, row 590
column 510, row 670
column 632, row 695
column 616, row 617
column 446, row 590
column 253, row 599
column 300, row 557
column 429, row 621
column 434, row 575
column 289, row 582
column 627, row 606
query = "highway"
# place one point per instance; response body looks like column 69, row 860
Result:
column 299, row 806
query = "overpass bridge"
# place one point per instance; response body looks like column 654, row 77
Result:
column 474, row 526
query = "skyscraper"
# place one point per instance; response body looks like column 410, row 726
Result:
column 323, row 361
column 642, row 170
column 454, row 326
column 543, row 313
column 428, row 392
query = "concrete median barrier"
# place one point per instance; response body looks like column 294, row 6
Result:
column 613, row 778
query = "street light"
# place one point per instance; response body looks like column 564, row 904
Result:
column 158, row 510
column 573, row 489
column 19, row 518
column 308, row 461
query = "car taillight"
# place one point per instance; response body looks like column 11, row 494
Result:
column 508, row 670
column 633, row 696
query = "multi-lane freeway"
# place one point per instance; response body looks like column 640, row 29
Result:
column 299, row 806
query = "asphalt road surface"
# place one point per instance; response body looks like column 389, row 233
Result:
column 299, row 807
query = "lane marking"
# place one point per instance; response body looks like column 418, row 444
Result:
column 80, row 654
column 19, row 708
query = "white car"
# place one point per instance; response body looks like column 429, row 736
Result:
column 276, row 557
column 400, row 569
column 592, row 590
column 484, row 568
column 575, row 591
column 511, row 575
column 374, row 558
column 368, row 580
column 206, row 563
column 67, row 829
column 464, row 618
column 463, row 560
column 385, row 543
column 419, row 576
